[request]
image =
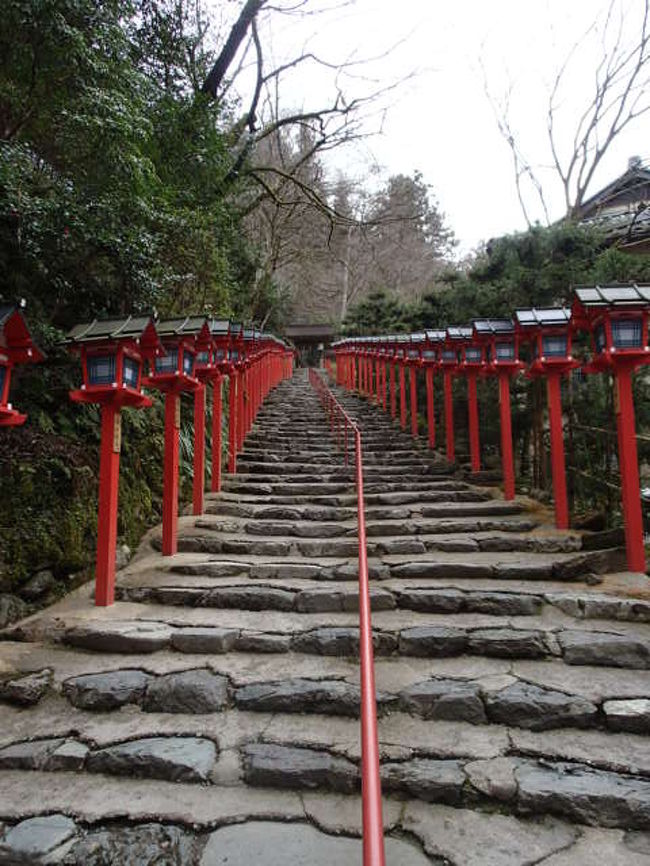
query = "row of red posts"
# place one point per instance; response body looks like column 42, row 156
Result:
column 121, row 356
column 615, row 317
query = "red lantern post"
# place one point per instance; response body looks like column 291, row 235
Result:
column 431, row 360
column 414, row 361
column 16, row 347
column 502, row 343
column 112, row 353
column 173, row 374
column 616, row 316
column 548, row 333
column 236, row 358
column 473, row 363
column 449, row 361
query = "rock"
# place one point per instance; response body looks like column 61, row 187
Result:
column 340, row 641
column 122, row 556
column 115, row 637
column 452, row 700
column 300, row 696
column 70, row 755
column 278, row 844
column 249, row 598
column 507, row 643
column 503, row 603
column 273, row 766
column 38, row 585
column 632, row 715
column 601, row 648
column 11, row 609
column 106, row 691
column 433, row 781
column 319, row 600
column 262, row 642
column 442, row 570
column 432, row 600
column 583, row 794
column 28, row 690
column 401, row 546
column 135, row 846
column 494, row 778
column 29, row 755
column 196, row 691
column 433, row 641
column 174, row 759
column 204, row 640
column 528, row 706
column 472, row 838
column 33, row 839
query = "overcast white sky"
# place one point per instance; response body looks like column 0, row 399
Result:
column 441, row 121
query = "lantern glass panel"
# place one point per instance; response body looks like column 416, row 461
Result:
column 220, row 354
column 3, row 378
column 627, row 333
column 188, row 363
column 413, row 353
column 449, row 355
column 554, row 345
column 505, row 352
column 234, row 355
column 101, row 369
column 429, row 354
column 473, row 355
column 203, row 358
column 600, row 337
column 167, row 363
column 130, row 372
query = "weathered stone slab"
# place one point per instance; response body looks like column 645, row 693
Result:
column 432, row 641
column 287, row 767
column 602, row 648
column 174, row 759
column 33, row 839
column 128, row 637
column 432, row 600
column 196, row 691
column 503, row 603
column 340, row 641
column 135, row 846
column 70, row 756
column 529, row 706
column 452, row 700
column 442, row 570
column 249, row 598
column 632, row 715
column 106, row 691
column 430, row 780
column 28, row 690
column 507, row 643
column 584, row 794
column 31, row 755
column 204, row 640
column 300, row 696
column 263, row 642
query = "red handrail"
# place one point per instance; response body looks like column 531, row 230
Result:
column 373, row 825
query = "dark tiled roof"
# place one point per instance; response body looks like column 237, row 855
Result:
column 459, row 333
column 493, row 326
column 547, row 316
column 109, row 329
column 614, row 295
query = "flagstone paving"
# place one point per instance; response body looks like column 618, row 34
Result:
column 211, row 715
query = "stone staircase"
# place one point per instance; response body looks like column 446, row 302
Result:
column 211, row 715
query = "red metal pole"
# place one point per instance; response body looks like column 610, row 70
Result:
column 241, row 385
column 383, row 385
column 198, row 478
column 474, row 440
column 431, row 418
column 232, row 422
column 393, row 395
column 109, row 475
column 402, row 397
column 414, row 402
column 215, row 481
column 170, row 473
column 558, row 468
column 629, row 466
column 373, row 824
column 449, row 417
column 507, row 458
